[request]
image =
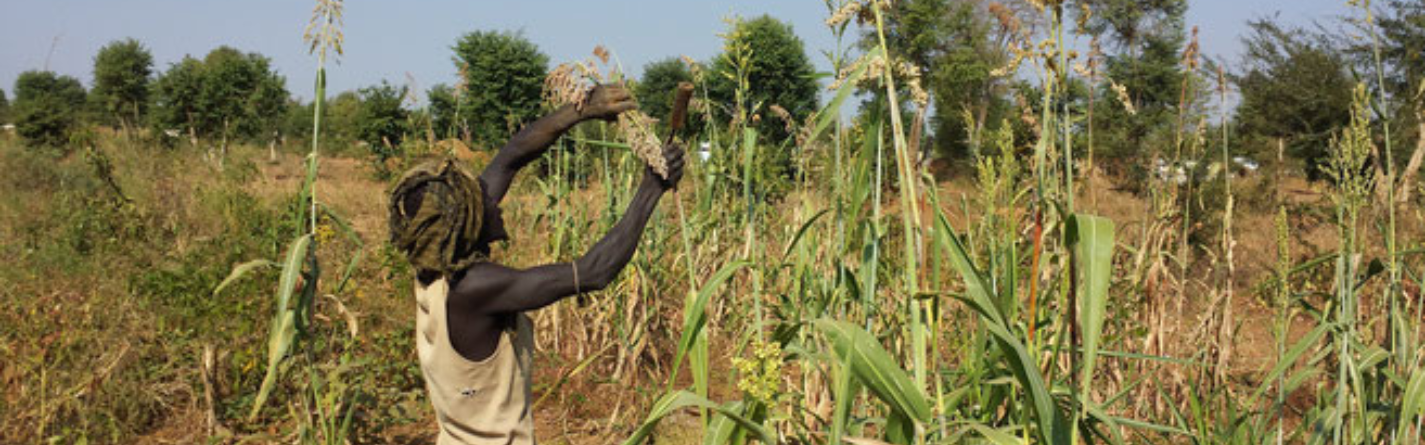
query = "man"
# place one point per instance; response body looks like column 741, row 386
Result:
column 472, row 336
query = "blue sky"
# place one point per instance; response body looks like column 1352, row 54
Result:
column 388, row 39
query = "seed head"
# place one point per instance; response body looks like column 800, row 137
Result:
column 843, row 14
column 637, row 127
column 1350, row 153
column 1123, row 98
column 324, row 30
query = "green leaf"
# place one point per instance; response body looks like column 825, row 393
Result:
column 291, row 268
column 721, row 430
column 240, row 271
column 277, row 346
column 995, row 436
column 876, row 369
column 802, row 232
column 1310, row 339
column 832, row 110
column 1092, row 240
column 1052, row 427
column 682, row 399
column 284, row 321
column 1413, row 400
column 695, row 313
column 976, row 285
column 845, row 392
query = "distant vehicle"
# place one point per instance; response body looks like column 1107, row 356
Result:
column 1178, row 174
column 1246, row 163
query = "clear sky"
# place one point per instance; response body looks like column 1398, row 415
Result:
column 388, row 39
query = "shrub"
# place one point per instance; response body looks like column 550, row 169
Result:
column 46, row 107
column 381, row 122
column 4, row 108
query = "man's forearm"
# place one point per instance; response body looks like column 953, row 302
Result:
column 603, row 262
column 526, row 146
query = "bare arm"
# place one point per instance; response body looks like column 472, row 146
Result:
column 489, row 288
column 605, row 102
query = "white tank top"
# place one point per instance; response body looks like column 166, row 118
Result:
column 484, row 402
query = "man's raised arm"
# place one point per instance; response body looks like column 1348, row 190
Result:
column 489, row 288
column 605, row 102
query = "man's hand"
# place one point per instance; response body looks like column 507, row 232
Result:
column 673, row 157
column 606, row 102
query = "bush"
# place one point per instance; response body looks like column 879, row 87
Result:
column 4, row 108
column 47, row 106
column 382, row 123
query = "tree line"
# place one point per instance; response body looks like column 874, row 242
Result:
column 1293, row 85
column 231, row 95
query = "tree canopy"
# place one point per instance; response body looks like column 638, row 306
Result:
column 381, row 121
column 122, row 72
column 1295, row 88
column 778, row 72
column 442, row 102
column 655, row 90
column 227, row 94
column 949, row 43
column 4, row 108
column 504, row 78
column 46, row 107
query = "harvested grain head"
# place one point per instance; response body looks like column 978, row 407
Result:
column 566, row 85
column 637, row 127
column 574, row 82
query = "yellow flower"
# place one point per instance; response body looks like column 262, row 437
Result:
column 761, row 375
column 325, row 233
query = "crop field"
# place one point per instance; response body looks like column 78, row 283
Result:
column 1105, row 240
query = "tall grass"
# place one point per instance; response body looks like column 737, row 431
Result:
column 327, row 410
column 1032, row 285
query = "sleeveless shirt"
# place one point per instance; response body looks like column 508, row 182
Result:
column 485, row 402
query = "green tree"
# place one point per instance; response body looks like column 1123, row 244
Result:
column 296, row 125
column 779, row 73
column 4, row 108
column 47, row 107
column 381, row 122
column 1402, row 28
column 949, row 43
column 241, row 96
column 122, row 71
column 341, row 118
column 443, row 102
column 1150, row 37
column 655, row 90
column 229, row 94
column 175, row 98
column 504, row 74
column 1296, row 90
column 1128, row 22
column 1403, row 32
